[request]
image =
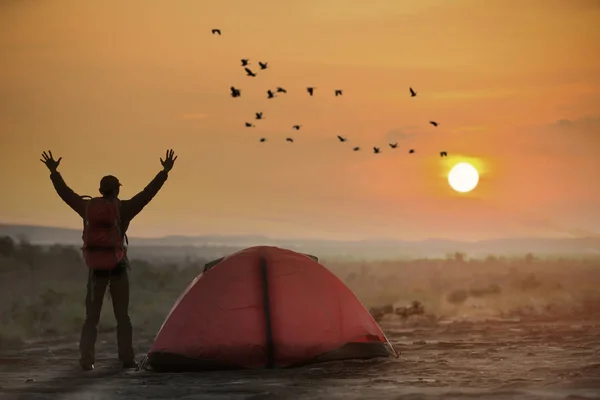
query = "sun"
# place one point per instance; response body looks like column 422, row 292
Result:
column 463, row 177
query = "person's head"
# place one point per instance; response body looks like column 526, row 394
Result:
column 109, row 186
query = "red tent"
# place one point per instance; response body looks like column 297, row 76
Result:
column 265, row 307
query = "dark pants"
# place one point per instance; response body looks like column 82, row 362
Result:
column 118, row 282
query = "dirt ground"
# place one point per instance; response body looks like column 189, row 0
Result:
column 501, row 359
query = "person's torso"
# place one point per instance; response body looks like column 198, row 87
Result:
column 125, row 221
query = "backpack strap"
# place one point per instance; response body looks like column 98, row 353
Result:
column 91, row 280
column 117, row 204
column 85, row 219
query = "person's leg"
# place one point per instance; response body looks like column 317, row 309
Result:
column 119, row 292
column 96, row 287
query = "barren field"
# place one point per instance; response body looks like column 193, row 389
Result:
column 492, row 329
column 450, row 360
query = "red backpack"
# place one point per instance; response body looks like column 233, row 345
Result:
column 102, row 242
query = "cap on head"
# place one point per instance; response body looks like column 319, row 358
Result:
column 109, row 184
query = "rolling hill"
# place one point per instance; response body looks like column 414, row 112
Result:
column 382, row 248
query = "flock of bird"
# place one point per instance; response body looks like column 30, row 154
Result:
column 235, row 92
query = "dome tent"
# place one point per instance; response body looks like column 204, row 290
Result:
column 265, row 307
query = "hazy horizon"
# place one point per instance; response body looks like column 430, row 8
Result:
column 109, row 86
column 37, row 228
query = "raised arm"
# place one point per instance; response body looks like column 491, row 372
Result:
column 133, row 206
column 72, row 199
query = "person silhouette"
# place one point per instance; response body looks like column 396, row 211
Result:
column 106, row 220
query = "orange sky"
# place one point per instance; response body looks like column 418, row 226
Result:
column 109, row 85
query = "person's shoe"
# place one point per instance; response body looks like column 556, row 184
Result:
column 86, row 366
column 131, row 364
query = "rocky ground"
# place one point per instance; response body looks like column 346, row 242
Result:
column 443, row 359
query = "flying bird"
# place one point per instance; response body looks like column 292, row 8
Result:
column 411, row 151
column 356, row 149
column 249, row 125
column 296, row 127
column 393, row 145
column 376, row 150
column 244, row 62
column 270, row 94
column 289, row 140
column 281, row 90
column 263, row 139
column 263, row 65
column 310, row 90
column 412, row 92
column 433, row 123
column 342, row 139
column 338, row 92
column 216, row 31
column 443, row 154
column 259, row 115
column 249, row 72
column 235, row 92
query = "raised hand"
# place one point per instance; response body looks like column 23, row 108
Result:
column 168, row 162
column 50, row 162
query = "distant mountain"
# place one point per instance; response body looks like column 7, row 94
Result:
column 359, row 248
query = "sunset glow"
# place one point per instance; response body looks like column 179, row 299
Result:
column 463, row 177
column 109, row 85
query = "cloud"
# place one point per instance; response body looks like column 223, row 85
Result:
column 586, row 5
column 471, row 129
column 588, row 124
column 475, row 94
column 570, row 140
column 550, row 225
column 194, row 116
column 397, row 134
column 565, row 127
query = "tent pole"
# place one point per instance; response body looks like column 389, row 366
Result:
column 267, row 310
